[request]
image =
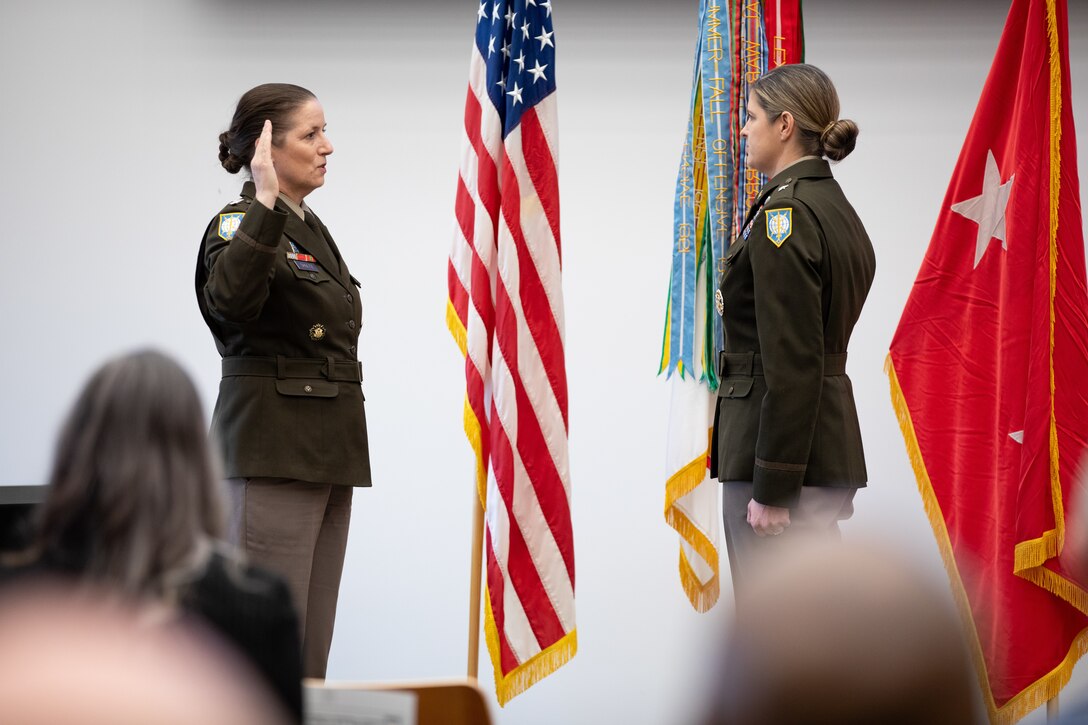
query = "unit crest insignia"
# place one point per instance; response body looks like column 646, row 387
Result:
column 228, row 224
column 779, row 225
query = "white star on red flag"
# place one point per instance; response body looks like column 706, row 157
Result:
column 988, row 208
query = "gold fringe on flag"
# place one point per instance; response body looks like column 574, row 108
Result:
column 473, row 429
column 528, row 673
column 702, row 596
column 1035, row 694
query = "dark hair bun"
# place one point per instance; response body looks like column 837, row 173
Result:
column 838, row 139
column 230, row 162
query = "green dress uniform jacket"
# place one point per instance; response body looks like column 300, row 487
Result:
column 793, row 285
column 285, row 314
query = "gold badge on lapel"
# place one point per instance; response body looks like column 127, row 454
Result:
column 317, row 332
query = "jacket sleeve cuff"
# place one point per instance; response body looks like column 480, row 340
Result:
column 777, row 484
column 261, row 228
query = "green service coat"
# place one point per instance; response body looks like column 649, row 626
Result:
column 793, row 286
column 260, row 301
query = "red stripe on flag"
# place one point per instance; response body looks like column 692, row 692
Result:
column 487, row 176
column 474, row 392
column 540, row 319
column 535, row 303
column 520, row 566
column 541, row 165
column 458, row 295
column 465, row 209
column 480, row 284
column 495, row 587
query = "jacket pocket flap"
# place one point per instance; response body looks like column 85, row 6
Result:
column 308, row 388
column 735, row 388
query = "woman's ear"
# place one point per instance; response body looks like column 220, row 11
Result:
column 786, row 125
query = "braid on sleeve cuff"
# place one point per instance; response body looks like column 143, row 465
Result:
column 261, row 228
column 778, row 484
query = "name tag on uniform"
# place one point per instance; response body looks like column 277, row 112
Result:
column 306, row 266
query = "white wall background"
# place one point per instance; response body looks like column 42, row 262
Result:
column 108, row 144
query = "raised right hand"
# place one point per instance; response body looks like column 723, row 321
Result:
column 263, row 170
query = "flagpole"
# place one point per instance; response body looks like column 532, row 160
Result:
column 1052, row 709
column 474, row 585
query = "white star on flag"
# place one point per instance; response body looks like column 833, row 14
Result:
column 545, row 38
column 520, row 60
column 516, row 93
column 1018, row 436
column 525, row 30
column 988, row 208
column 483, row 12
column 538, row 72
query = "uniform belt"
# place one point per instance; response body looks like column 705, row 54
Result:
column 748, row 363
column 281, row 367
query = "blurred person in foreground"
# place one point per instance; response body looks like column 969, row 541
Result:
column 844, row 635
column 83, row 656
column 134, row 509
column 787, row 443
column 286, row 313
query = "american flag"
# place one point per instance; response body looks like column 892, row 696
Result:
column 506, row 312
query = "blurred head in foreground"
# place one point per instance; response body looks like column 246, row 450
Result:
column 132, row 514
column 847, row 636
column 74, row 656
column 134, row 499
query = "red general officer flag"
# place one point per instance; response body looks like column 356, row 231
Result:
column 988, row 369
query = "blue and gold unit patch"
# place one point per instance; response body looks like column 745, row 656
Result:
column 228, row 224
column 779, row 225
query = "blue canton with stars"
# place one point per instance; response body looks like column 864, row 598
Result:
column 516, row 41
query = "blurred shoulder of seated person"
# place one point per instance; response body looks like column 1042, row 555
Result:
column 77, row 655
column 838, row 634
column 134, row 508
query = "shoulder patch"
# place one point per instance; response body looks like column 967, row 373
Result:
column 228, row 224
column 779, row 225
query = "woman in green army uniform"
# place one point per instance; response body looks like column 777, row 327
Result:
column 285, row 314
column 787, row 441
